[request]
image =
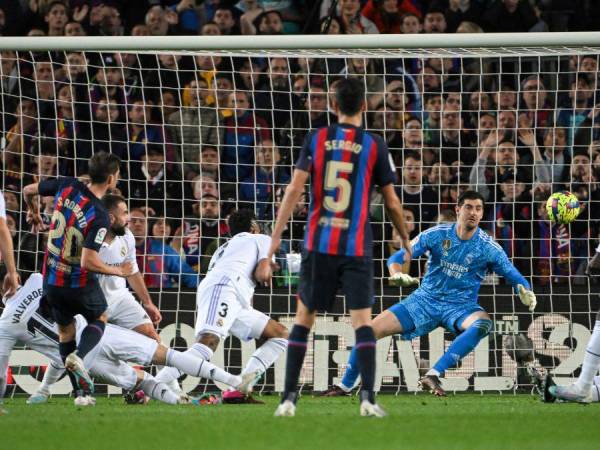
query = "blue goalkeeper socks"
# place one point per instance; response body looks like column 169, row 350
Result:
column 352, row 370
column 463, row 344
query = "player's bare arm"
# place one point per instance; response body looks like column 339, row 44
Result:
column 136, row 281
column 292, row 195
column 90, row 260
column 30, row 195
column 394, row 209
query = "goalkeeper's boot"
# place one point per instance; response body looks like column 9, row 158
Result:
column 38, row 398
column 370, row 408
column 336, row 391
column 548, row 383
column 74, row 364
column 571, row 393
column 433, row 384
column 287, row 408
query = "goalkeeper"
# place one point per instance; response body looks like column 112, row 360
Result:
column 460, row 255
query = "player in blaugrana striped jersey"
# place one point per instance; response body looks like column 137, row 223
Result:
column 344, row 163
column 77, row 230
column 460, row 255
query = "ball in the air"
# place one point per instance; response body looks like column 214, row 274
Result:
column 562, row 207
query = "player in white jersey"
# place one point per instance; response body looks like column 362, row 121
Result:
column 123, row 309
column 118, row 248
column 26, row 321
column 224, row 302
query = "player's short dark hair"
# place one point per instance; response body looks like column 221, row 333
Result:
column 349, row 95
column 111, row 201
column 102, row 165
column 470, row 195
column 240, row 221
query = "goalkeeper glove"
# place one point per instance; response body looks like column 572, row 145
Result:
column 403, row 279
column 527, row 297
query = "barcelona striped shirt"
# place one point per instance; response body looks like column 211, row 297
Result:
column 79, row 220
column 344, row 162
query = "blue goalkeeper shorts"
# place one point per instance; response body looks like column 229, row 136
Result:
column 419, row 314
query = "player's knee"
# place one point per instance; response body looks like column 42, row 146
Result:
column 483, row 327
column 210, row 340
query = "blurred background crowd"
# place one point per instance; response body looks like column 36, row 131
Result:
column 200, row 134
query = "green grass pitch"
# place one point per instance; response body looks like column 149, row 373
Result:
column 420, row 422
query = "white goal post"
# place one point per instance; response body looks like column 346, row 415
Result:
column 206, row 124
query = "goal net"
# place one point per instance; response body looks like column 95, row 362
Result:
column 203, row 131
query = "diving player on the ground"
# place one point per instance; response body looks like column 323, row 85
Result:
column 26, row 321
column 460, row 255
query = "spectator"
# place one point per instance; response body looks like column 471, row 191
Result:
column 435, row 20
column 422, row 198
column 74, row 29
column 210, row 29
column 225, row 19
column 18, row 144
column 108, row 130
column 205, row 184
column 56, row 18
column 410, row 24
column 268, row 22
column 387, row 14
column 157, row 21
column 512, row 216
column 462, row 11
column 243, row 131
column 160, row 264
column 556, row 157
column 153, row 186
column 259, row 187
column 353, row 21
column 9, row 83
column 194, row 126
column 273, row 100
column 200, row 233
column 140, row 130
column 571, row 118
column 536, row 106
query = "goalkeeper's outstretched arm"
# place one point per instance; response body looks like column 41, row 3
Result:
column 503, row 267
column 396, row 261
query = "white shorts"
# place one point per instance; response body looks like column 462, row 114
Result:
column 114, row 372
column 221, row 313
column 125, row 311
column 120, row 344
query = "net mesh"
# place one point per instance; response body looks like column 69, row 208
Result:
column 203, row 133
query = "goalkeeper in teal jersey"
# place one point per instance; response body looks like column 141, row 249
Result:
column 460, row 255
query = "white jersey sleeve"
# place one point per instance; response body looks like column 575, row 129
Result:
column 2, row 206
column 115, row 253
column 131, row 255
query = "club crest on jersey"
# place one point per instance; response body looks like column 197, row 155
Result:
column 446, row 244
column 220, row 322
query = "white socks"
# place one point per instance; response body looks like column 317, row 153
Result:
column 157, row 391
column 192, row 363
column 53, row 373
column 168, row 374
column 265, row 355
column 591, row 361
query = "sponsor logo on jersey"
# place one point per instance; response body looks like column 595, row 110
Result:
column 123, row 251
